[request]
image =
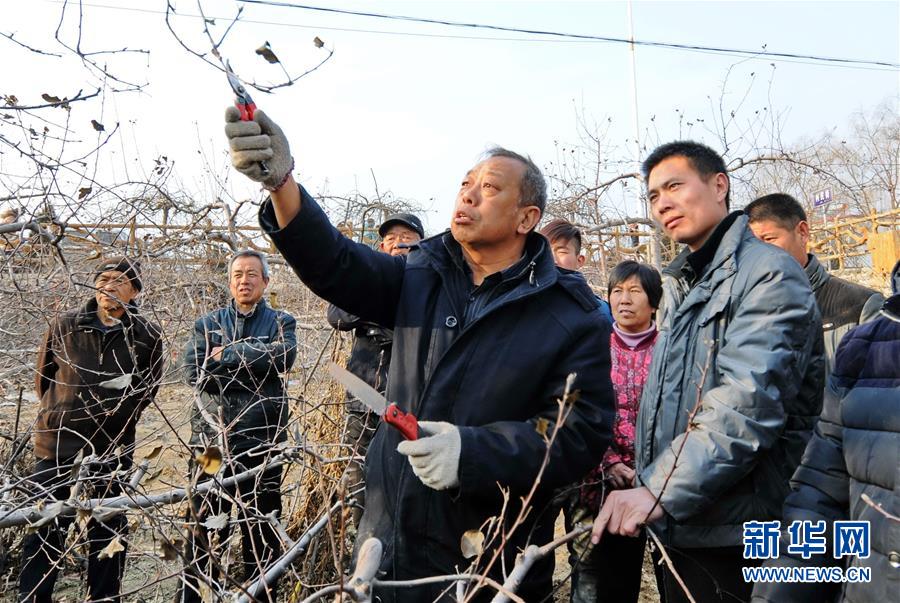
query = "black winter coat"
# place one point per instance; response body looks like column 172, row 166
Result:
column 498, row 378
column 370, row 355
column 244, row 390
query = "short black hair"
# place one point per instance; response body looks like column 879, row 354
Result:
column 561, row 229
column 780, row 208
column 702, row 158
column 533, row 186
column 648, row 276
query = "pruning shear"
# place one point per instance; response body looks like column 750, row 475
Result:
column 405, row 422
column 244, row 104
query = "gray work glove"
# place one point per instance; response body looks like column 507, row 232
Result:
column 259, row 140
column 435, row 458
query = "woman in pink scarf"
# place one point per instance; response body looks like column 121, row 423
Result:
column 612, row 570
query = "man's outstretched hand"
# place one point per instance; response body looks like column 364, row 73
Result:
column 625, row 512
column 256, row 141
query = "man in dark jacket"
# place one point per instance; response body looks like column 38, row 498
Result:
column 370, row 355
column 236, row 361
column 780, row 220
column 97, row 369
column 486, row 331
column 854, row 452
column 734, row 386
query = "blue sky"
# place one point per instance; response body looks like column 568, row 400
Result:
column 418, row 109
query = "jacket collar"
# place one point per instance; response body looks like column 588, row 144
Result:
column 891, row 306
column 717, row 251
column 259, row 307
column 816, row 273
column 89, row 318
column 699, row 260
column 444, row 252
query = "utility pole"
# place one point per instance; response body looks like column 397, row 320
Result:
column 655, row 254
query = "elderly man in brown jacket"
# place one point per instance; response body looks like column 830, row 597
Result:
column 99, row 366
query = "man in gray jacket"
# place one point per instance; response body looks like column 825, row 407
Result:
column 779, row 219
column 734, row 387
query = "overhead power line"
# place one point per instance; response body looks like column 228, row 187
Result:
column 574, row 36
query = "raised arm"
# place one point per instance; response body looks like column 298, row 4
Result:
column 350, row 275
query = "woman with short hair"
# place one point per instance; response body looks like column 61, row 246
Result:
column 635, row 291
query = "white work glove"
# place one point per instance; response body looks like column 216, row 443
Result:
column 259, row 140
column 435, row 458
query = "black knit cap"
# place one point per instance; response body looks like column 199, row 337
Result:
column 128, row 267
column 408, row 220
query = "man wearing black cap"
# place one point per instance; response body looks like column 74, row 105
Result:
column 99, row 366
column 370, row 356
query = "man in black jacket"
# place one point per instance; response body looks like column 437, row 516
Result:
column 370, row 355
column 236, row 360
column 486, row 332
column 779, row 219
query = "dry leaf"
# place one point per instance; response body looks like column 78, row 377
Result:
column 318, row 42
column 154, row 453
column 265, row 51
column 168, row 551
column 216, row 522
column 573, row 396
column 50, row 99
column 472, row 543
column 210, row 461
column 97, row 125
column 543, row 424
column 122, row 381
column 115, row 546
column 82, row 193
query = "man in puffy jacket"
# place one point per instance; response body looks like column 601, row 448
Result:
column 734, row 387
column 370, row 355
column 486, row 331
column 854, row 452
column 779, row 219
column 236, row 360
column 98, row 367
